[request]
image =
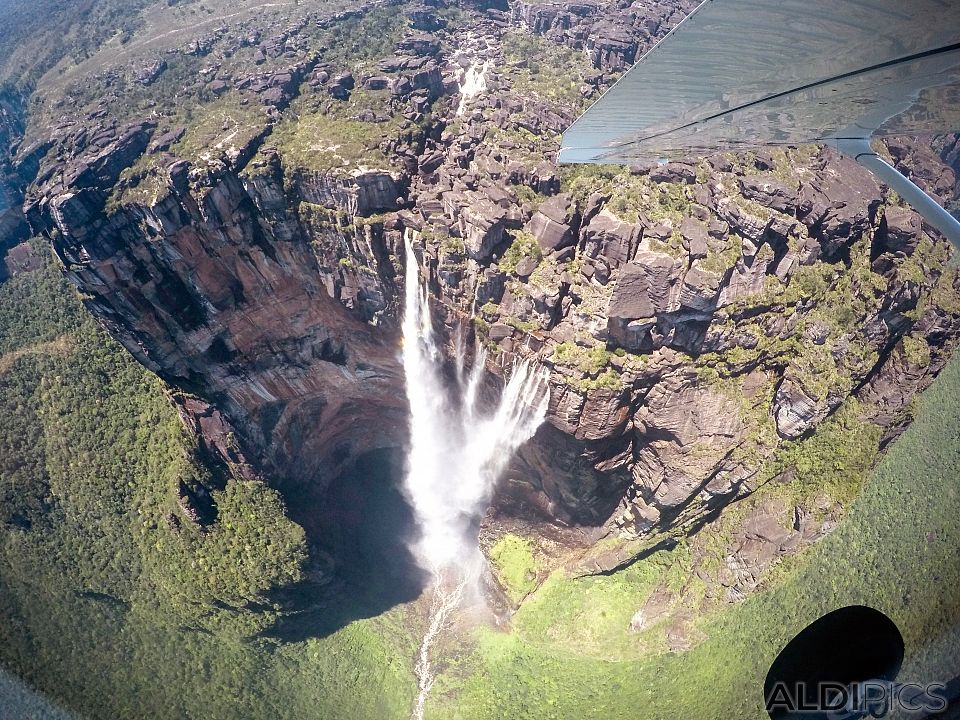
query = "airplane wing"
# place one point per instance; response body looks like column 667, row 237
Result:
column 737, row 74
column 743, row 73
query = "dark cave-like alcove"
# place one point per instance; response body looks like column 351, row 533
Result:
column 364, row 523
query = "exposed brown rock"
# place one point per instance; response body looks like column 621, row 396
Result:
column 553, row 224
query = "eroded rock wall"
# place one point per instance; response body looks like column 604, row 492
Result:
column 229, row 292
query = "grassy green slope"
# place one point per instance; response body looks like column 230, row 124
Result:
column 35, row 34
column 91, row 451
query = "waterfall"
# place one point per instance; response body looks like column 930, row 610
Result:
column 458, row 450
column 474, row 82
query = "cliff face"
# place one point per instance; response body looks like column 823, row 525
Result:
column 219, row 292
column 13, row 226
column 694, row 316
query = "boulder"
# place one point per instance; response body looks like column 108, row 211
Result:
column 645, row 288
column 900, row 232
column 699, row 291
column 695, row 238
column 837, row 206
column 340, row 86
column 612, row 45
column 656, row 608
column 674, row 172
column 553, row 223
column 149, row 74
column 424, row 18
column 631, row 296
column 163, row 141
column 377, row 82
column 482, row 223
column 525, row 267
column 428, row 78
column 609, row 237
column 796, row 410
column 745, row 223
column 420, row 45
column 769, row 193
column 746, row 278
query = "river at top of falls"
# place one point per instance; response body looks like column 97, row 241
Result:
column 458, row 447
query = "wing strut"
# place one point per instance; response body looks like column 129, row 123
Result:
column 859, row 149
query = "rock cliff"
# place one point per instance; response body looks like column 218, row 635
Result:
column 246, row 245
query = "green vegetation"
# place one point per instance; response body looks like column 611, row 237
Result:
column 114, row 601
column 526, row 195
column 590, row 617
column 316, row 135
column 120, row 38
column 219, row 127
column 632, row 195
column 214, row 132
column 593, row 363
column 452, row 245
column 837, row 301
column 917, row 351
column 360, row 40
column 319, row 134
column 490, row 309
column 312, row 139
column 609, row 379
column 108, row 660
column 538, row 68
column 113, row 40
column 515, row 565
column 589, row 361
column 526, row 326
column 580, row 181
column 836, row 460
column 722, row 260
column 105, row 455
column 545, row 69
column 36, row 34
column 524, row 245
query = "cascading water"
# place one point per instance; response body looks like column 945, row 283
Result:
column 457, row 452
column 473, row 83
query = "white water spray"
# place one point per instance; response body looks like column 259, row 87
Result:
column 457, row 452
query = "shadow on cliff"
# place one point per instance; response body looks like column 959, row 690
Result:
column 364, row 523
